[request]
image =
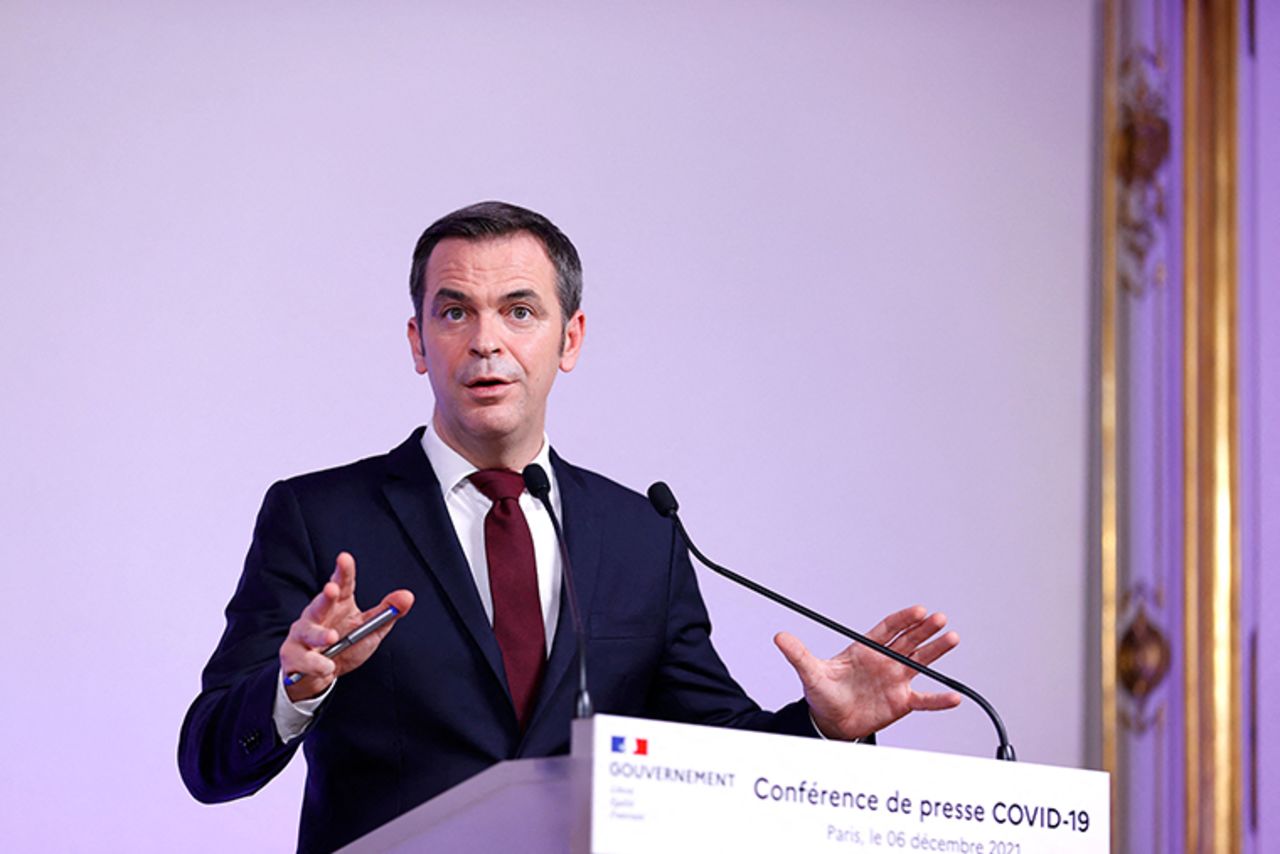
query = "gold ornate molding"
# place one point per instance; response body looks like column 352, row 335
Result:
column 1157, row 103
column 1108, row 408
column 1212, row 678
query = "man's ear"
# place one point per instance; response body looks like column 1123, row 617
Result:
column 415, row 344
column 574, row 330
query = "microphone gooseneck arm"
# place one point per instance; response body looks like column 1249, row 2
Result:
column 664, row 502
column 539, row 486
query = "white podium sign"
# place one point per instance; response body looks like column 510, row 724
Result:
column 651, row 786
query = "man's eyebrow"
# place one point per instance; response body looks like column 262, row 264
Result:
column 523, row 294
column 450, row 295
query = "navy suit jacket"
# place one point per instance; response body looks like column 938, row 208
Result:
column 431, row 707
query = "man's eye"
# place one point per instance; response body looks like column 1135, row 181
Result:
column 453, row 313
column 521, row 312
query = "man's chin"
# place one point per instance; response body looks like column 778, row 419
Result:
column 492, row 424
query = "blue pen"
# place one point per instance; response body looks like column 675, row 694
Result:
column 357, row 634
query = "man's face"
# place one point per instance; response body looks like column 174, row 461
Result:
column 490, row 341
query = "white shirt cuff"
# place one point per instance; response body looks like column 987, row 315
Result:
column 814, row 724
column 293, row 719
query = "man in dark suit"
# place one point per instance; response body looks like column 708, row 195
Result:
column 481, row 670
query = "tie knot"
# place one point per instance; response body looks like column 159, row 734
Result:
column 497, row 484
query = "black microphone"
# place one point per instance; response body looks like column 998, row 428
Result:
column 535, row 480
column 665, row 503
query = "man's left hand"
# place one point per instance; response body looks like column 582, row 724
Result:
column 860, row 691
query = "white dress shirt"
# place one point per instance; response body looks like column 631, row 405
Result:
column 467, row 507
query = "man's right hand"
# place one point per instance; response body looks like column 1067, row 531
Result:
column 329, row 617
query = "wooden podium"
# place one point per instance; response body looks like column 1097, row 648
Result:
column 633, row 785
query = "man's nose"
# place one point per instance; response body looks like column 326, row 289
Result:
column 487, row 340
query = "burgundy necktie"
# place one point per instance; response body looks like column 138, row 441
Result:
column 513, row 581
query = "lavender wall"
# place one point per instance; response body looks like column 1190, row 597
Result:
column 837, row 276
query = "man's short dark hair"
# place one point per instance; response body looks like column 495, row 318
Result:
column 488, row 220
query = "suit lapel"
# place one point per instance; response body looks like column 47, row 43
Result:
column 583, row 537
column 413, row 491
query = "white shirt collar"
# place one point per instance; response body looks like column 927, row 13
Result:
column 452, row 469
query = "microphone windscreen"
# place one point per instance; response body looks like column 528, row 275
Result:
column 662, row 500
column 535, row 480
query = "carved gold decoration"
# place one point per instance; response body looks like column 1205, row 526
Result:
column 1143, row 660
column 1143, row 135
column 1141, row 146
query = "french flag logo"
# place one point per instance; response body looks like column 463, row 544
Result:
column 633, row 746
